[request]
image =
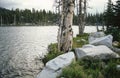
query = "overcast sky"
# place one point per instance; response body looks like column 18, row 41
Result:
column 96, row 5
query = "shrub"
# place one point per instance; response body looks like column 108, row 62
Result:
column 73, row 71
column 52, row 53
column 92, row 68
column 115, row 32
column 111, row 70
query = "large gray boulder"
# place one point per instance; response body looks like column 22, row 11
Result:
column 95, row 35
column 106, row 40
column 53, row 67
column 98, row 52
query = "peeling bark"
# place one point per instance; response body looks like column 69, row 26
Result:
column 65, row 32
column 82, row 15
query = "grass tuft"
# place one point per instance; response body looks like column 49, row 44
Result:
column 80, row 40
column 53, row 52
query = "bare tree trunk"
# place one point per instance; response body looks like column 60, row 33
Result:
column 1, row 20
column 65, row 32
column 14, row 19
column 97, row 28
column 103, row 27
column 82, row 15
column 59, row 38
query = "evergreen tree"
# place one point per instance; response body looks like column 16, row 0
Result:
column 117, row 14
column 109, row 14
column 26, row 17
column 112, row 20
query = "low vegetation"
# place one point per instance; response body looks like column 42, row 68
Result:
column 115, row 32
column 92, row 68
column 80, row 40
column 87, row 67
column 53, row 52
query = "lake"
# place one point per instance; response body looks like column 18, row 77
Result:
column 21, row 49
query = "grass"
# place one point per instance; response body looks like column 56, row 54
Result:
column 92, row 68
column 53, row 52
column 80, row 40
column 73, row 71
column 87, row 67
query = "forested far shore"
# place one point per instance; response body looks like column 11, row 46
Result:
column 34, row 17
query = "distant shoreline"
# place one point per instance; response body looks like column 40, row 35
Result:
column 34, row 25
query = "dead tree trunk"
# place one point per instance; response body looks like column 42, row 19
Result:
column 82, row 15
column 65, row 32
column 1, row 20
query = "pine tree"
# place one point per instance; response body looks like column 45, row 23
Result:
column 117, row 14
column 109, row 14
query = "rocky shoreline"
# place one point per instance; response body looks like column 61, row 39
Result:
column 99, row 47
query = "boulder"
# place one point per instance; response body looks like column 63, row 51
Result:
column 95, row 35
column 53, row 67
column 99, row 52
column 48, row 73
column 115, row 43
column 118, row 67
column 117, row 50
column 106, row 40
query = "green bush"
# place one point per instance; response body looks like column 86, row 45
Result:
column 73, row 71
column 52, row 53
column 92, row 68
column 87, row 67
column 115, row 32
column 111, row 71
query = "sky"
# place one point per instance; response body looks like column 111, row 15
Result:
column 95, row 5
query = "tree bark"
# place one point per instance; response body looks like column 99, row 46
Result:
column 1, row 20
column 82, row 15
column 65, row 32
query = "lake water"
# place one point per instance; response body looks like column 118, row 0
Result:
column 21, row 49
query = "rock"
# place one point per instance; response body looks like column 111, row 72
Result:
column 88, row 46
column 118, row 67
column 117, row 50
column 115, row 43
column 95, row 35
column 48, row 73
column 78, row 41
column 81, row 40
column 54, row 67
column 107, row 40
column 101, row 52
